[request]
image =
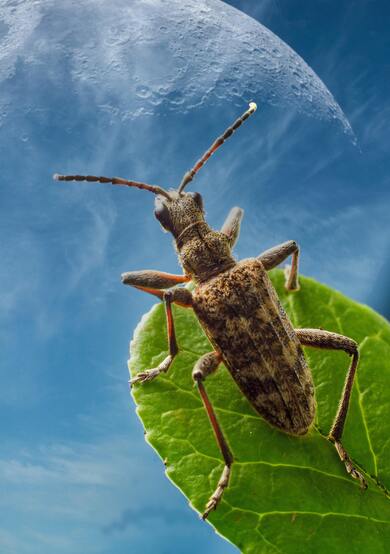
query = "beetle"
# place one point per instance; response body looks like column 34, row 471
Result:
column 239, row 310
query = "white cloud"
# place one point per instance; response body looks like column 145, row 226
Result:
column 97, row 494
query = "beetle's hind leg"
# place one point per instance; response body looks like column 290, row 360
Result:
column 152, row 282
column 325, row 339
column 206, row 365
column 276, row 255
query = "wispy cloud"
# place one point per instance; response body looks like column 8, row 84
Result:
column 101, row 493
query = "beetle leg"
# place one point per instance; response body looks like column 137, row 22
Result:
column 231, row 226
column 333, row 341
column 182, row 297
column 153, row 282
column 206, row 365
column 276, row 255
column 153, row 279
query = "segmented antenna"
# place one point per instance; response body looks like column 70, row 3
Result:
column 216, row 144
column 113, row 181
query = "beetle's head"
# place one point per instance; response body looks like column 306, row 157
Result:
column 179, row 211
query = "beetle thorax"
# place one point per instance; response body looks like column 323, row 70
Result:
column 203, row 252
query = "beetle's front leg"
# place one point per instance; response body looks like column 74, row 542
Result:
column 318, row 338
column 206, row 365
column 276, row 255
column 184, row 298
column 152, row 282
column 151, row 279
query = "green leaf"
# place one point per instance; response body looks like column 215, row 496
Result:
column 287, row 494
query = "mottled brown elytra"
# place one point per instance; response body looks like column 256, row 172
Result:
column 238, row 308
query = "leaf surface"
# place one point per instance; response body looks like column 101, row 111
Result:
column 287, row 494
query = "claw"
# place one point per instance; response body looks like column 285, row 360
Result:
column 355, row 474
column 351, row 469
column 144, row 376
column 210, row 506
column 149, row 374
column 217, row 495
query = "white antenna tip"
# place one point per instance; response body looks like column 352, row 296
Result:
column 253, row 106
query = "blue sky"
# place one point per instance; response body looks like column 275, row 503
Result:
column 76, row 475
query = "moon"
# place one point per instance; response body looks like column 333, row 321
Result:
column 147, row 57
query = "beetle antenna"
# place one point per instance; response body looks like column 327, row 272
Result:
column 216, row 144
column 113, row 181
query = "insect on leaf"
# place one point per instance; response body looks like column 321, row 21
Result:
column 287, row 494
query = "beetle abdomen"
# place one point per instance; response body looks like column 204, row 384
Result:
column 244, row 320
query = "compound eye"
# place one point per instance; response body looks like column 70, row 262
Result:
column 162, row 214
column 198, row 199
